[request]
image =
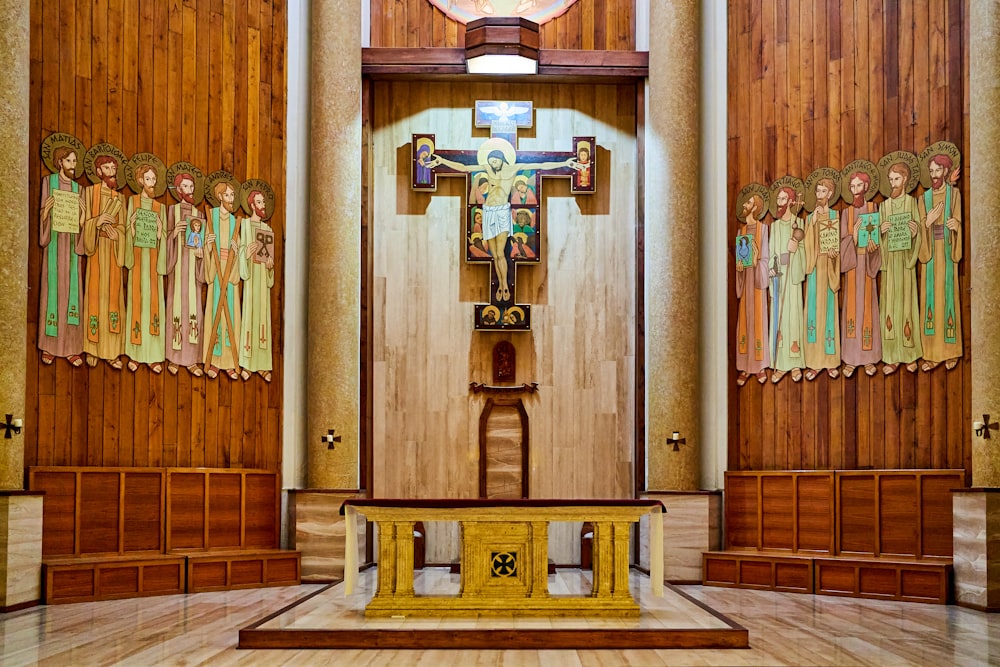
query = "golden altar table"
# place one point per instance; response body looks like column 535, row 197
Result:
column 504, row 555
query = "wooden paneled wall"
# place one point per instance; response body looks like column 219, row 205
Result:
column 580, row 350
column 196, row 80
column 820, row 83
column 588, row 25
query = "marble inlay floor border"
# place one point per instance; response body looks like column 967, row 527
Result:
column 327, row 619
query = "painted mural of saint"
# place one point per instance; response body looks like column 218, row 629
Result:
column 787, row 263
column 145, row 263
column 104, row 243
column 861, row 335
column 822, row 267
column 753, row 353
column 900, row 308
column 257, row 271
column 60, row 301
column 185, row 271
column 222, row 300
column 940, row 209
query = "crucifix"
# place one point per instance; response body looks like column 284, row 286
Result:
column 502, row 215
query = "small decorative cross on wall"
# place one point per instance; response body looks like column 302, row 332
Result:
column 330, row 438
column 984, row 427
column 11, row 425
column 676, row 440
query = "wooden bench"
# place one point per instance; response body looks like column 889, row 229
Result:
column 119, row 532
column 243, row 568
column 908, row 580
column 111, row 577
column 884, row 534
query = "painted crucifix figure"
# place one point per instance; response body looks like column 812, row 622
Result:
column 503, row 221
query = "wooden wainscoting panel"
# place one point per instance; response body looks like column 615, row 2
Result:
column 756, row 574
column 246, row 573
column 58, row 510
column 832, row 577
column 211, row 575
column 898, row 501
column 166, row 578
column 224, row 504
column 742, row 508
column 793, row 576
column 143, row 511
column 119, row 581
column 936, row 513
column 815, row 512
column 70, row 586
column 260, row 514
column 878, row 581
column 857, row 516
column 186, row 495
column 918, row 585
column 721, row 571
column 99, row 511
column 777, row 523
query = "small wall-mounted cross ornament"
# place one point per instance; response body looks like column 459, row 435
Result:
column 11, row 425
column 984, row 427
column 676, row 440
column 330, row 438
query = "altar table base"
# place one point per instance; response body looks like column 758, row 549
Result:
column 504, row 557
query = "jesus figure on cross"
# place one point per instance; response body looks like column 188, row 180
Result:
column 497, row 159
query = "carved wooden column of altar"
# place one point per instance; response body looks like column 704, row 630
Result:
column 334, row 228
column 672, row 233
column 976, row 511
column 20, row 512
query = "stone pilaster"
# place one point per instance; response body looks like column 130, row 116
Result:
column 20, row 549
column 984, row 230
column 320, row 533
column 976, row 543
column 976, row 512
column 14, row 96
column 334, row 317
column 672, row 236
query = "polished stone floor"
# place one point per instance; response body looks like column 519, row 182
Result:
column 785, row 629
column 331, row 609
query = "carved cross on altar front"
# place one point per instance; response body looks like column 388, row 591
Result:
column 502, row 216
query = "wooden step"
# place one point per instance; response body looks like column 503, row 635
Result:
column 244, row 568
column 111, row 577
column 885, row 578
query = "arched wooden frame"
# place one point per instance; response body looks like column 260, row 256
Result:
column 483, row 419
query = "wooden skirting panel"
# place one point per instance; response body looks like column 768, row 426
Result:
column 907, row 582
column 117, row 510
column 792, row 574
column 223, row 571
column 897, row 513
column 111, row 578
column 878, row 578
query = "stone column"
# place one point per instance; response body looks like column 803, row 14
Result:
column 334, row 254
column 14, row 108
column 976, row 512
column 984, row 230
column 672, row 236
column 20, row 512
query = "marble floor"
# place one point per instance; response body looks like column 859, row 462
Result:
column 785, row 629
column 331, row 609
